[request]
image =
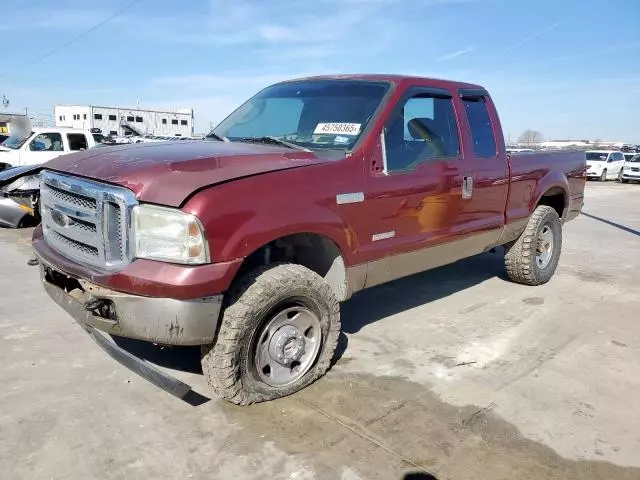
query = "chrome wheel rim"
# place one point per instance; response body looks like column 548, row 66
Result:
column 287, row 346
column 544, row 250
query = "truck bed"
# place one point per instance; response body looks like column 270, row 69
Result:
column 562, row 170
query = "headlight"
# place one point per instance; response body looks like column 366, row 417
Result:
column 168, row 235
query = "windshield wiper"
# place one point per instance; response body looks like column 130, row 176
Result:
column 217, row 137
column 274, row 140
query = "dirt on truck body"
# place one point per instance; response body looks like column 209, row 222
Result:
column 314, row 189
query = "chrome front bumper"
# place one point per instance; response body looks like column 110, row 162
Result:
column 164, row 321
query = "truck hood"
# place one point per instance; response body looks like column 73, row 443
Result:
column 168, row 173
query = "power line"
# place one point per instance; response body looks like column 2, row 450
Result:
column 85, row 33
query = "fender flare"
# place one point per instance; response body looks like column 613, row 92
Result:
column 324, row 223
column 554, row 181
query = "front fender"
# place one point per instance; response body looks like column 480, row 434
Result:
column 261, row 229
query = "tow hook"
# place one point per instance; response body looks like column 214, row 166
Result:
column 92, row 304
column 101, row 307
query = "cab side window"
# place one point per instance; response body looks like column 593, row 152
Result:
column 424, row 129
column 47, row 142
column 484, row 143
column 77, row 141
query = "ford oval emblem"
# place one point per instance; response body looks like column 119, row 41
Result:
column 60, row 218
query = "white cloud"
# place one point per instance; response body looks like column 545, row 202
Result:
column 533, row 36
column 457, row 53
column 278, row 22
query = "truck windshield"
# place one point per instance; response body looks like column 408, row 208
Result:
column 14, row 142
column 597, row 156
column 315, row 114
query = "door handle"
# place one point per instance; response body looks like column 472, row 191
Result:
column 467, row 187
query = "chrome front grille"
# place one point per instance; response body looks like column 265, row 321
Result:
column 86, row 221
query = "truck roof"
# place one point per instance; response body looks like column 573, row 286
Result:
column 59, row 130
column 395, row 79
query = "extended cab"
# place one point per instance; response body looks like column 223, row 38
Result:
column 312, row 190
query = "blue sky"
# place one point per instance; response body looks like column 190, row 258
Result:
column 568, row 68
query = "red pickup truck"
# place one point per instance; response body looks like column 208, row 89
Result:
column 314, row 189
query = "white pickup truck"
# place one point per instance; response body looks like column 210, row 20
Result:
column 42, row 145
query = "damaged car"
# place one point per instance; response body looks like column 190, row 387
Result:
column 19, row 196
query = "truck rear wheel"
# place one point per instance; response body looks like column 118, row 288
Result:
column 277, row 335
column 533, row 258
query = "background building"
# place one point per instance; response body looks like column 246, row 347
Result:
column 126, row 121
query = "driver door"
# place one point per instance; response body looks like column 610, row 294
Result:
column 414, row 202
column 618, row 162
column 42, row 148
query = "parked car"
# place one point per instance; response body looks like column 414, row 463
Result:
column 604, row 164
column 312, row 190
column 631, row 169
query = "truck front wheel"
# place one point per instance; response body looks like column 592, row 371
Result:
column 277, row 335
column 533, row 258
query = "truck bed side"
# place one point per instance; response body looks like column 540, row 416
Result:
column 552, row 178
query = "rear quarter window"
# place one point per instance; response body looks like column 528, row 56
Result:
column 484, row 143
column 77, row 141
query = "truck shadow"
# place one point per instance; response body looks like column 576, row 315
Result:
column 613, row 224
column 364, row 308
column 396, row 297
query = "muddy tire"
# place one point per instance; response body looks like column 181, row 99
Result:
column 533, row 258
column 278, row 334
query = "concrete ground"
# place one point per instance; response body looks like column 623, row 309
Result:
column 451, row 374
